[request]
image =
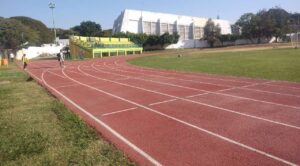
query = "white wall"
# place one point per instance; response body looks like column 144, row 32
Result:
column 32, row 52
column 189, row 44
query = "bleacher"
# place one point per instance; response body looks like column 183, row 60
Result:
column 91, row 47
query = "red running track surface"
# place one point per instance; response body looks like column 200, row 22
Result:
column 160, row 117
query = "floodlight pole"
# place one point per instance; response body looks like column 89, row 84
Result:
column 297, row 33
column 52, row 6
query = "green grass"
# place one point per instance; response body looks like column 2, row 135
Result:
column 273, row 64
column 37, row 129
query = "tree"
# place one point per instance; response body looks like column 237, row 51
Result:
column 281, row 22
column 264, row 25
column 65, row 34
column 88, row 28
column 228, row 37
column 13, row 34
column 107, row 33
column 255, row 25
column 44, row 33
column 212, row 32
column 246, row 22
column 167, row 39
column 294, row 22
column 151, row 40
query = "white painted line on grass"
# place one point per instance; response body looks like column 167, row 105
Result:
column 188, row 124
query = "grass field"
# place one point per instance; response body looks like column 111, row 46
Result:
column 36, row 129
column 273, row 64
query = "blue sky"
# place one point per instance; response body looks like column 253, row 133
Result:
column 69, row 13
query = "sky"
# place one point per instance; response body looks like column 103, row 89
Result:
column 69, row 13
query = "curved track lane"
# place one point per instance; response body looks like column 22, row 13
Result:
column 161, row 117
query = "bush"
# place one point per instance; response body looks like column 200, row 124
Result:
column 150, row 40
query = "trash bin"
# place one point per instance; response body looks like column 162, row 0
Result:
column 4, row 62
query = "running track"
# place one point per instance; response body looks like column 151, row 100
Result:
column 160, row 117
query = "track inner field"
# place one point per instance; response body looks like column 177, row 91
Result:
column 160, row 117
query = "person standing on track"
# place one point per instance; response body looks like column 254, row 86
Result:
column 61, row 58
column 25, row 61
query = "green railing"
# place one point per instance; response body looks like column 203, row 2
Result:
column 116, row 45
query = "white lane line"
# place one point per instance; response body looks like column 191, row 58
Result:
column 116, row 112
column 187, row 124
column 32, row 75
column 56, row 74
column 119, row 79
column 193, row 101
column 267, row 83
column 222, row 90
column 246, row 87
column 199, row 94
column 134, row 108
column 161, row 102
column 64, row 86
column 185, row 74
column 74, row 72
column 72, row 84
column 115, row 133
column 199, row 90
column 277, row 93
column 173, row 78
column 289, row 87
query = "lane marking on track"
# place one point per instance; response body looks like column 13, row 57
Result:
column 56, row 74
column 67, row 85
column 277, row 93
column 119, row 79
column 134, row 108
column 289, row 87
column 267, row 83
column 186, row 123
column 195, row 102
column 116, row 112
column 199, row 90
column 171, row 78
column 186, row 74
column 71, row 71
column 161, row 102
column 115, row 133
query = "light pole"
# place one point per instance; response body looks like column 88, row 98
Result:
column 52, row 6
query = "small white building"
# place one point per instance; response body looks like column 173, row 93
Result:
column 46, row 49
column 190, row 29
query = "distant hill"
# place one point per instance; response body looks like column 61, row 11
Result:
column 45, row 34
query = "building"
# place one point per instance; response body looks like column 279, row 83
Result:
column 189, row 28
